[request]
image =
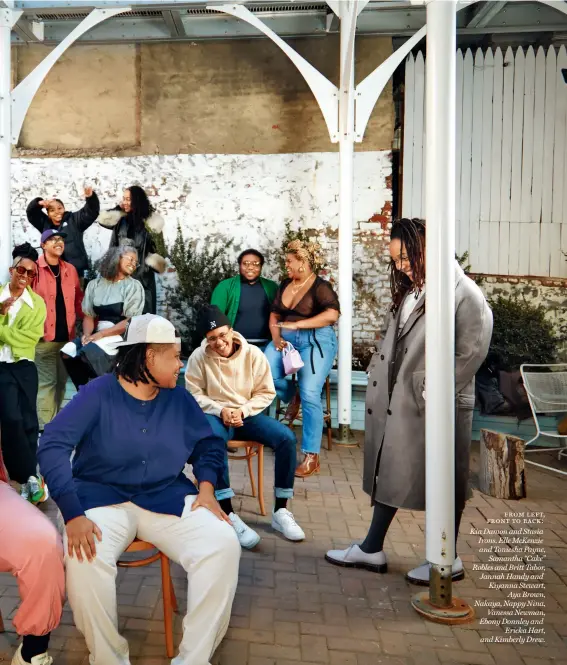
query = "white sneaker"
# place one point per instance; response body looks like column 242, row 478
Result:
column 42, row 659
column 420, row 575
column 25, row 491
column 284, row 522
column 354, row 557
column 247, row 537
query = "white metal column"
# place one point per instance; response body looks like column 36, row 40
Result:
column 6, row 17
column 440, row 290
column 348, row 14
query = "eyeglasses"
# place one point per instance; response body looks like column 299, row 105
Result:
column 221, row 338
column 132, row 262
column 251, row 264
column 31, row 274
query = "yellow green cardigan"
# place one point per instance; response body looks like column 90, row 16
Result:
column 26, row 331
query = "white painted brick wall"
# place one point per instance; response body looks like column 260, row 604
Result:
column 245, row 197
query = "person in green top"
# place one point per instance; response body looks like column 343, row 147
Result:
column 246, row 299
column 22, row 318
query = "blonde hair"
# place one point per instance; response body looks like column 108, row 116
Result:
column 308, row 252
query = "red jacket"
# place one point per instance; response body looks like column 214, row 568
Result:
column 3, row 472
column 45, row 285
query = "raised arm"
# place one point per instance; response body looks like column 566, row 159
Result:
column 36, row 217
column 85, row 217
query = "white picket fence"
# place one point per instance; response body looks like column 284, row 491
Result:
column 511, row 196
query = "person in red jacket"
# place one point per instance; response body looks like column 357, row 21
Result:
column 58, row 284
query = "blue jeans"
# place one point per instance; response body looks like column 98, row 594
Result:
column 318, row 349
column 271, row 433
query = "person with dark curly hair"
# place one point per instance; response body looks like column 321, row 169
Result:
column 394, row 447
column 110, row 301
column 303, row 314
column 135, row 222
column 22, row 318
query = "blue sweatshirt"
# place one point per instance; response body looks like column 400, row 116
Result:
column 127, row 450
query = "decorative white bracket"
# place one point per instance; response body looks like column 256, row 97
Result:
column 9, row 17
column 24, row 92
column 368, row 90
column 326, row 93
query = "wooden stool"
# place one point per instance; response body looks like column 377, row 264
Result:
column 169, row 599
column 327, row 415
column 252, row 449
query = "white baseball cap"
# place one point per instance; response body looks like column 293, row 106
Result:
column 149, row 329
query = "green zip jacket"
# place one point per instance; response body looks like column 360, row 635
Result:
column 26, row 331
column 226, row 295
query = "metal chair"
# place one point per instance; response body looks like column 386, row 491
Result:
column 252, row 449
column 546, row 387
column 169, row 599
column 327, row 415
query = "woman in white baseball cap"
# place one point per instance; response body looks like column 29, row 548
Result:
column 133, row 431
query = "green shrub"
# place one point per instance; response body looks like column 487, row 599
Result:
column 521, row 334
column 198, row 272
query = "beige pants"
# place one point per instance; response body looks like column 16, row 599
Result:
column 52, row 377
column 206, row 548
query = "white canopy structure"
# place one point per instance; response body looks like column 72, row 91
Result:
column 346, row 111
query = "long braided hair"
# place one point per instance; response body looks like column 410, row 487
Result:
column 411, row 234
column 130, row 364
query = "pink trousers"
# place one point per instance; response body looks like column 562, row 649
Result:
column 31, row 549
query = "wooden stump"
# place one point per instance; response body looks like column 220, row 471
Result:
column 501, row 472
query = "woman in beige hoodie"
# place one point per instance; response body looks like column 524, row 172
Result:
column 232, row 382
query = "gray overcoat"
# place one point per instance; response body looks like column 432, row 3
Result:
column 394, row 448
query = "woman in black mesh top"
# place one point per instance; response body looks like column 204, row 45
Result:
column 303, row 314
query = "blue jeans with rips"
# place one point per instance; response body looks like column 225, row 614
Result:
column 270, row 433
column 318, row 349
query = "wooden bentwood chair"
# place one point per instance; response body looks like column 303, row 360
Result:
column 169, row 599
column 251, row 449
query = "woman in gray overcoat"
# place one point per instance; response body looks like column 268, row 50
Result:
column 394, row 447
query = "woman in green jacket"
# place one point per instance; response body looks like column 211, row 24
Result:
column 246, row 299
column 22, row 317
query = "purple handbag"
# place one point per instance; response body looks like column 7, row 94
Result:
column 291, row 359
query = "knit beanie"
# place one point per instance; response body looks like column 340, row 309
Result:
column 211, row 318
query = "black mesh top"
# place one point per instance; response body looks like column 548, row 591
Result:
column 320, row 297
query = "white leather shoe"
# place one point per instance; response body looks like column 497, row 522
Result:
column 420, row 575
column 354, row 557
column 247, row 537
column 42, row 659
column 284, row 522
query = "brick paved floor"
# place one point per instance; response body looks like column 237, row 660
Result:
column 293, row 607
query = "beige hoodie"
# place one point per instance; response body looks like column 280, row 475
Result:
column 243, row 381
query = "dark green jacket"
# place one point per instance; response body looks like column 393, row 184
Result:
column 226, row 295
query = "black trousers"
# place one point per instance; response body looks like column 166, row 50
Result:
column 79, row 370
column 19, row 428
column 381, row 520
